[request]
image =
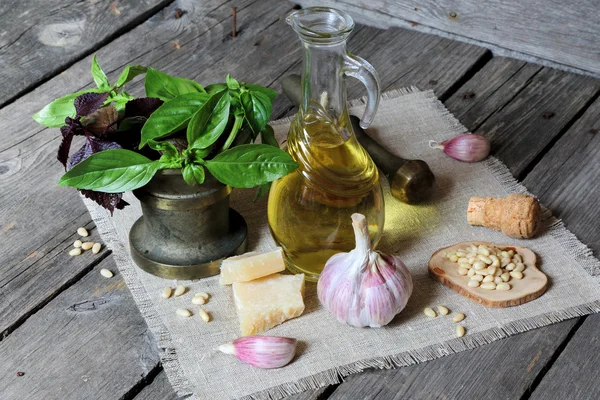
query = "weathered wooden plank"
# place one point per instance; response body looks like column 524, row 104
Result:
column 90, row 342
column 507, row 368
column 566, row 177
column 546, row 29
column 38, row 39
column 158, row 389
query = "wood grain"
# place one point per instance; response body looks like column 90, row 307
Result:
column 90, row 342
column 546, row 29
column 38, row 39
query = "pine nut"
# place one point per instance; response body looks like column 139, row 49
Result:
column 491, row 270
column 204, row 315
column 471, row 255
column 510, row 267
column 443, row 310
column 471, row 272
column 518, row 258
column 519, row 267
column 179, row 290
column 471, row 260
column 484, row 259
column 183, row 312
column 202, row 294
column 166, row 292
column 496, row 263
column 497, row 280
column 75, row 252
column 460, row 254
column 511, row 253
column 453, row 258
column 477, row 278
column 488, row 286
column 462, row 260
column 505, row 254
column 478, row 265
column 77, row 243
column 198, row 300
column 96, row 248
column 429, row 312
column 465, row 265
column 494, row 258
column 106, row 273
column 503, row 286
column 458, row 317
column 462, row 271
column 489, row 278
column 505, row 277
column 481, row 272
column 483, row 250
column 473, row 283
column 498, row 272
column 87, row 245
column 82, row 232
column 516, row 274
column 451, row 254
column 460, row 331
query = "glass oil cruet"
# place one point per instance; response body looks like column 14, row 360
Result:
column 309, row 209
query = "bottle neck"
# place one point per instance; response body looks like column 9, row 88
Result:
column 323, row 82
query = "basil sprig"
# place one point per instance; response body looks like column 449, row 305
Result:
column 220, row 122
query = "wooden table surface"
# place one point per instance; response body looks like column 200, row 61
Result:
column 76, row 335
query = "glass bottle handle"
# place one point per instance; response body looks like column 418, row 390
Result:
column 360, row 69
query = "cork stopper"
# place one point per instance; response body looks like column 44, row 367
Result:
column 517, row 215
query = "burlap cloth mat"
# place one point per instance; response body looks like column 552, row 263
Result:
column 328, row 350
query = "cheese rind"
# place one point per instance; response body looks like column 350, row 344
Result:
column 267, row 302
column 250, row 266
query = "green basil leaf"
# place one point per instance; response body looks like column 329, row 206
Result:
column 54, row 114
column 167, row 148
column 111, row 171
column 130, row 72
column 172, row 116
column 193, row 174
column 257, row 107
column 99, row 75
column 232, row 83
column 239, row 119
column 250, row 165
column 215, row 87
column 209, row 122
column 271, row 94
column 165, row 87
column 267, row 136
column 262, row 190
column 199, row 154
column 119, row 99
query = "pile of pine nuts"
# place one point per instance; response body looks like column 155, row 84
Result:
column 488, row 267
column 198, row 299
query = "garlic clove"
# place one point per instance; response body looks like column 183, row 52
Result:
column 262, row 351
column 364, row 287
column 470, row 147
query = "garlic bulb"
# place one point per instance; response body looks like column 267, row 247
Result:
column 469, row 147
column 262, row 351
column 364, row 287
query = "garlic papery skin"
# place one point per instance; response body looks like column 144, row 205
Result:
column 364, row 287
column 262, row 351
column 470, row 147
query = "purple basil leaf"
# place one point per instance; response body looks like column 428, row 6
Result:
column 65, row 145
column 88, row 103
column 141, row 107
column 102, row 122
column 91, row 146
column 110, row 201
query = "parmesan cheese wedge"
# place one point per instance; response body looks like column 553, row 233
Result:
column 250, row 266
column 267, row 302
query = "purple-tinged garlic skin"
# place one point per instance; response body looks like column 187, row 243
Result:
column 470, row 147
column 262, row 351
column 364, row 287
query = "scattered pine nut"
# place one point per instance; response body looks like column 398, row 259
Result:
column 183, row 312
column 202, row 294
column 204, row 315
column 75, row 252
column 460, row 331
column 87, row 245
column 443, row 310
column 458, row 317
column 96, row 248
column 77, row 243
column 429, row 312
column 179, row 290
column 198, row 300
column 106, row 273
column 166, row 292
column 82, row 232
